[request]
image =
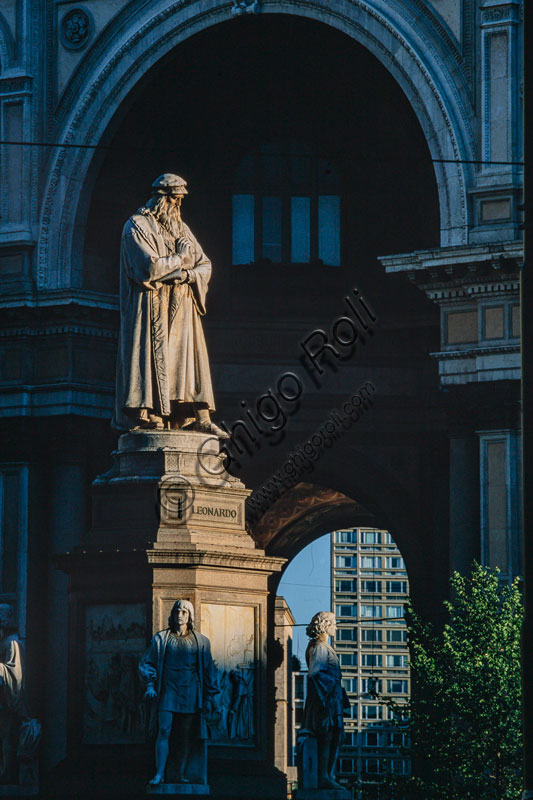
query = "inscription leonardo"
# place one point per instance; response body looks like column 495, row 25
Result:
column 213, row 511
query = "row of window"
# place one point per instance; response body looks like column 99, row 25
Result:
column 369, row 562
column 486, row 323
column 367, row 612
column 365, row 537
column 376, row 684
column 369, row 738
column 375, row 766
column 371, row 634
column 371, row 587
column 372, row 713
column 283, row 229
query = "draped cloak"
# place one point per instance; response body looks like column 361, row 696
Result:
column 11, row 681
column 162, row 355
column 326, row 700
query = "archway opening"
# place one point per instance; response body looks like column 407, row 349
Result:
column 252, row 83
column 358, row 574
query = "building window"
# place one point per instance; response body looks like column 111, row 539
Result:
column 375, row 686
column 494, row 322
column 396, row 661
column 348, row 659
column 371, row 612
column 351, row 713
column 396, row 636
column 371, row 635
column 371, row 562
column 350, row 684
column 346, row 635
column 397, row 687
column 346, row 611
column 371, row 766
column 286, row 207
column 461, row 327
column 299, row 687
column 372, row 712
column 394, row 562
column 371, row 586
column 345, row 537
column 346, row 765
column 397, row 713
column 345, row 561
column 395, row 612
column 371, row 660
column 370, row 537
column 350, row 738
column 397, row 587
column 344, row 586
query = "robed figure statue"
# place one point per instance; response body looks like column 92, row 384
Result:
column 326, row 701
column 163, row 377
column 181, row 677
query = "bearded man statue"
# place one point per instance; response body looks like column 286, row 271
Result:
column 163, row 375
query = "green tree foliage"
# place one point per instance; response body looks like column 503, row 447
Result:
column 464, row 716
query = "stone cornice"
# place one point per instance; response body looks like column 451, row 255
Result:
column 466, row 255
column 62, row 297
column 477, row 351
column 464, row 272
column 255, row 561
column 54, row 330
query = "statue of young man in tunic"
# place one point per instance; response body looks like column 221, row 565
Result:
column 163, row 376
column 179, row 672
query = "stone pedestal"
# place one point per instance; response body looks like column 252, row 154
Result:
column 170, row 521
column 308, row 775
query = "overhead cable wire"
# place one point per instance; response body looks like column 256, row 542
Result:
column 121, row 149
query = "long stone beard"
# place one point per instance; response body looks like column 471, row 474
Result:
column 169, row 216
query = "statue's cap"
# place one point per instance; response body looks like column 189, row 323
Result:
column 167, row 183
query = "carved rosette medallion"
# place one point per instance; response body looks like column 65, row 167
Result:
column 75, row 29
column 245, row 7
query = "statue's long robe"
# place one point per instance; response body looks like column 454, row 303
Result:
column 325, row 700
column 162, row 355
column 11, row 681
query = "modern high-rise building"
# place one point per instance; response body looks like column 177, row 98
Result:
column 369, row 591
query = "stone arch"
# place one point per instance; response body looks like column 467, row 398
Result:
column 332, row 497
column 131, row 46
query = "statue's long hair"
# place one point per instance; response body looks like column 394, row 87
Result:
column 168, row 213
column 188, row 606
column 320, row 623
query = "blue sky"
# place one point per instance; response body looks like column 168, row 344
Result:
column 306, row 586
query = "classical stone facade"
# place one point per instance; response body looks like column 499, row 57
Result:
column 409, row 113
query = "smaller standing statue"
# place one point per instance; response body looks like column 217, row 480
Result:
column 19, row 734
column 180, row 674
column 325, row 704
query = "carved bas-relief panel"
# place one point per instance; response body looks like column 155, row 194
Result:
column 231, row 630
column 113, row 707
